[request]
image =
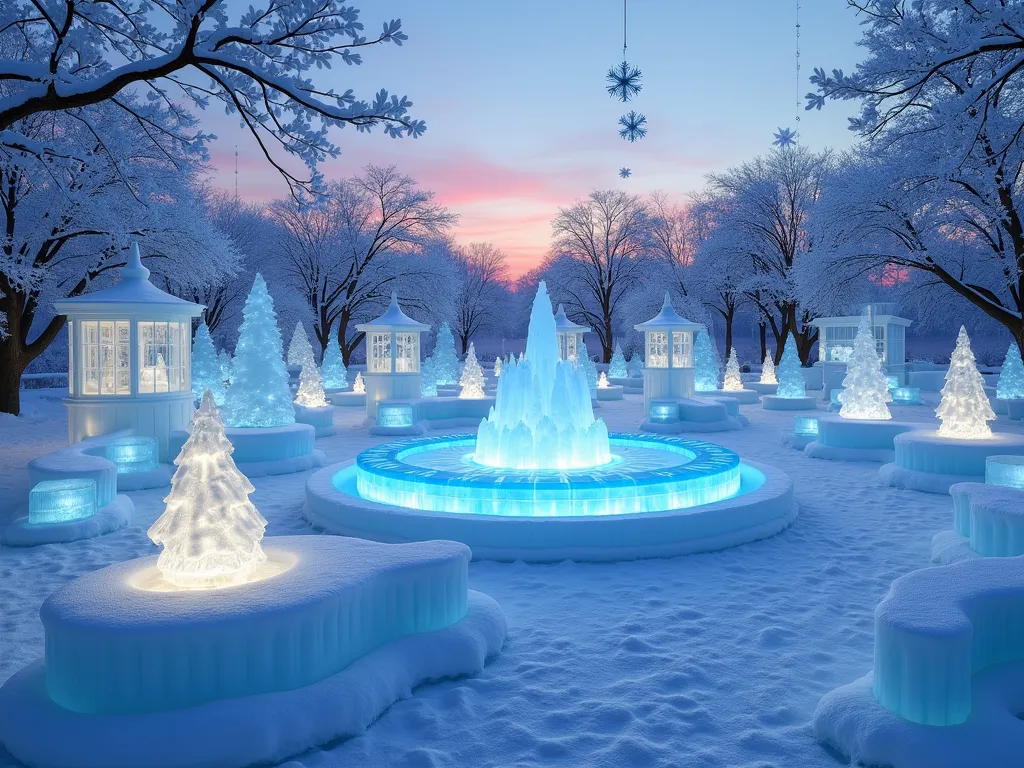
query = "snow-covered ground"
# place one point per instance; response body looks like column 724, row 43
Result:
column 707, row 660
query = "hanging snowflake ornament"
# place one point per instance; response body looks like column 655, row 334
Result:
column 624, row 81
column 625, row 173
column 786, row 137
column 633, row 126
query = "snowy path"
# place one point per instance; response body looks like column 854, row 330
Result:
column 706, row 660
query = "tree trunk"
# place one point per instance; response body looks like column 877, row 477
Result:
column 12, row 365
column 606, row 340
column 464, row 340
column 762, row 329
column 730, row 315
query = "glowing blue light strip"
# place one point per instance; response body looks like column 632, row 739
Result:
column 61, row 501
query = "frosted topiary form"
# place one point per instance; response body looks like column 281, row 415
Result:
column 472, row 380
column 791, row 378
column 617, row 367
column 300, row 350
column 587, row 366
column 733, row 379
column 333, row 373
column 497, row 366
column 428, row 379
column 206, row 370
column 358, row 386
column 705, row 363
column 210, row 531
column 768, row 371
column 446, row 362
column 224, row 358
column 866, row 386
column 259, row 395
column 635, row 365
column 1011, row 377
column 964, row 409
column 311, row 388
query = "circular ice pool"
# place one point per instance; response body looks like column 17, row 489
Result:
column 660, row 496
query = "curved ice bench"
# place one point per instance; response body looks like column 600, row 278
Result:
column 113, row 647
column 937, row 627
column 991, row 517
column 856, row 439
column 263, row 451
column 925, row 461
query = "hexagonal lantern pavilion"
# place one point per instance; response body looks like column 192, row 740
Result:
column 129, row 366
column 392, row 357
column 668, row 368
column 569, row 334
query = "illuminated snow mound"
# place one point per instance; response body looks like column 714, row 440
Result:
column 543, row 417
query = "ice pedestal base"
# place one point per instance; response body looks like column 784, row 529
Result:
column 744, row 396
column 763, row 389
column 856, row 439
column 261, row 451
column 347, row 399
column 321, row 419
column 776, row 403
column 264, row 729
column 924, row 461
column 987, row 519
column 112, row 517
column 611, row 392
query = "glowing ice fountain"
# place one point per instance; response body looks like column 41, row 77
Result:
column 542, row 417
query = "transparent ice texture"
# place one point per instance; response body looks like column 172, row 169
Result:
column 1011, row 377
column 133, row 453
column 964, row 409
column 300, row 351
column 472, row 379
column 791, row 379
column 61, row 501
column 542, row 417
column 937, row 627
column 705, row 363
column 333, row 371
column 446, row 362
column 207, row 368
column 428, row 379
column 617, row 367
column 733, row 378
column 866, row 387
column 768, row 371
column 311, row 389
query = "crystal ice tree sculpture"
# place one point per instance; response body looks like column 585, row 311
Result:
column 964, row 409
column 791, row 378
column 206, row 369
column 259, row 395
column 587, row 366
column 497, row 366
column 1011, row 378
column 472, row 381
column 210, row 531
column 311, row 388
column 446, row 362
column 358, row 386
column 866, row 386
column 333, row 373
column 602, row 381
column 733, row 379
column 300, row 350
column 428, row 379
column 768, row 370
column 705, row 363
column 617, row 367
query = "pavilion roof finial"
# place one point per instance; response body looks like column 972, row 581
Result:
column 133, row 269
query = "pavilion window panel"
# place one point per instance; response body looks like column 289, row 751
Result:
column 682, row 351
column 657, row 349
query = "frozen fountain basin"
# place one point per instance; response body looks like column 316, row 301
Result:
column 660, row 496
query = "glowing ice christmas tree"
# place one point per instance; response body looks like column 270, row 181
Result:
column 617, row 367
column 866, row 386
column 300, row 350
column 587, row 366
column 225, row 361
column 358, row 386
column 733, row 379
column 497, row 366
column 964, row 409
column 791, row 378
column 446, row 362
column 311, row 388
column 209, row 530
column 206, row 370
column 428, row 379
column 768, row 370
column 259, row 395
column 1011, row 379
column 602, row 381
column 472, row 380
column 333, row 372
column 705, row 363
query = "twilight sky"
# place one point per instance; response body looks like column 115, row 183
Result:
column 519, row 123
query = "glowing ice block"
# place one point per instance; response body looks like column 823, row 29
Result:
column 937, row 627
column 1005, row 470
column 61, row 501
column 906, row 395
column 395, row 415
column 134, row 453
column 805, row 426
column 833, row 397
column 664, row 412
column 892, row 381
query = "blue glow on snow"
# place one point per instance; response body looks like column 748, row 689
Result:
column 394, row 415
column 1005, row 470
column 663, row 413
column 805, row 426
column 655, row 473
column 906, row 395
column 61, row 501
column 133, row 454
